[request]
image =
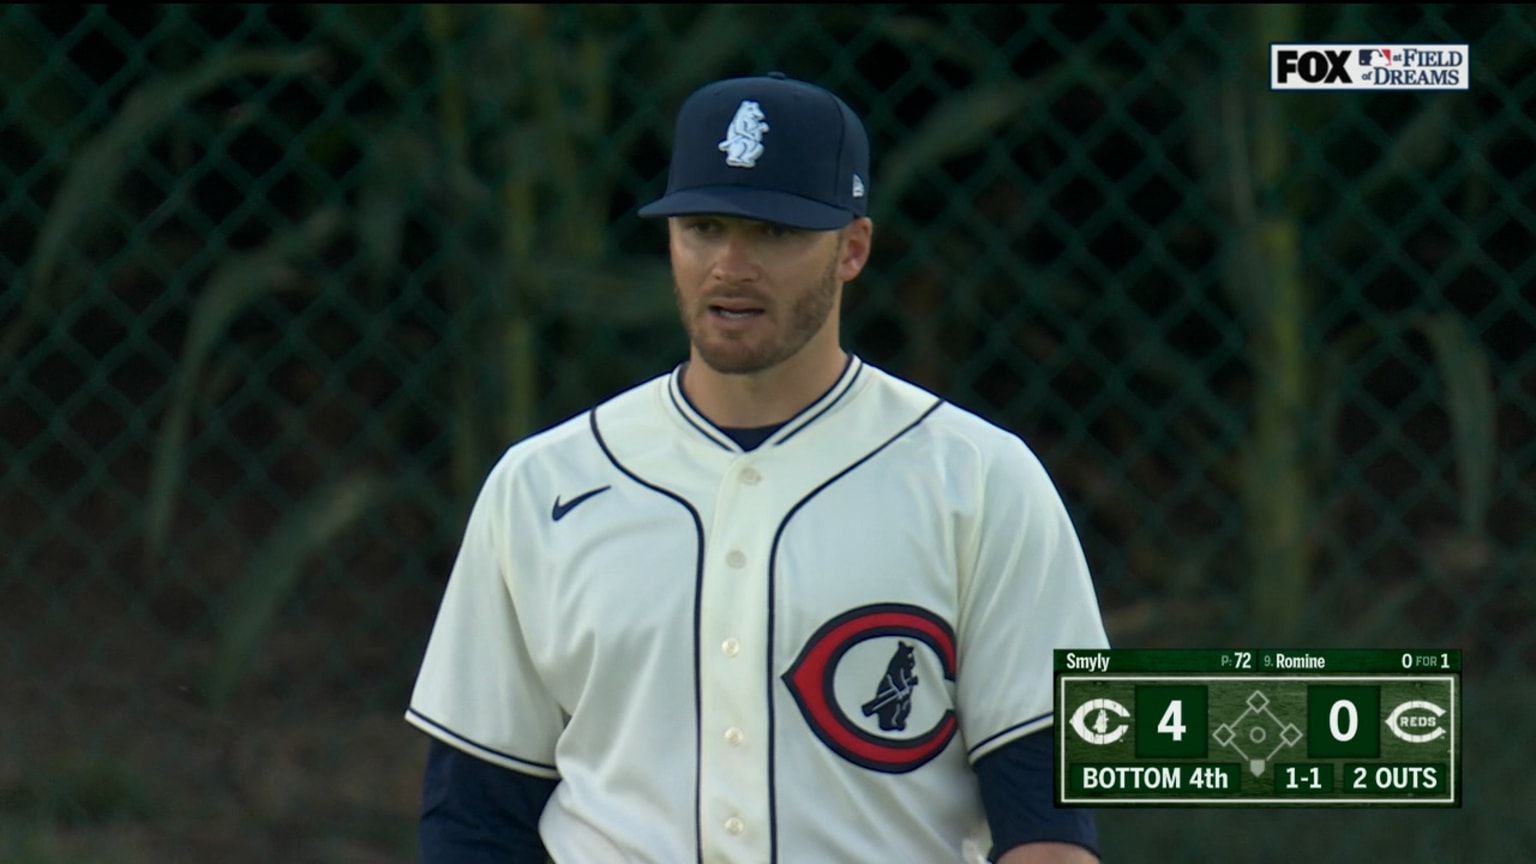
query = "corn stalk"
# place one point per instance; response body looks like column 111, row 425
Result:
column 1264, row 280
column 467, row 428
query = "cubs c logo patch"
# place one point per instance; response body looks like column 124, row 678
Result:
column 866, row 686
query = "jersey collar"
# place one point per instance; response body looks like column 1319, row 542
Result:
column 807, row 415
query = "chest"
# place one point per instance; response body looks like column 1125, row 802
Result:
column 748, row 565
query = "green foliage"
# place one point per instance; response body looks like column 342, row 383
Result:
column 28, row 840
column 1467, row 385
column 239, row 283
column 91, row 789
column 97, row 170
column 317, row 523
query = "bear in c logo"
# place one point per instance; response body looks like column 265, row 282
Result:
column 812, row 680
column 893, row 699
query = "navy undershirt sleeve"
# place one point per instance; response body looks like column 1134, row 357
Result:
column 474, row 812
column 1016, row 792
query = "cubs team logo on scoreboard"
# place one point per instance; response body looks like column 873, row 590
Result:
column 1102, row 730
column 1362, row 66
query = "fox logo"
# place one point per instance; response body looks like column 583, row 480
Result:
column 743, row 142
column 893, row 698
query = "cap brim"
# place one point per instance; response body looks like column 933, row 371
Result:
column 763, row 204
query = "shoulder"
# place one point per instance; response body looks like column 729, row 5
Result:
column 962, row 436
column 572, row 447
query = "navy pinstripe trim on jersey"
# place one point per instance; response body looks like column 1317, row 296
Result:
column 852, row 365
column 692, row 415
column 698, row 593
column 1015, row 728
column 815, row 410
column 773, row 560
column 469, row 742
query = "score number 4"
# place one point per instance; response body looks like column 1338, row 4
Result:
column 1172, row 722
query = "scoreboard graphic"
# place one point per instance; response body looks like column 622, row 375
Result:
column 1258, row 728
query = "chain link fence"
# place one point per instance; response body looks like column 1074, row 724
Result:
column 281, row 282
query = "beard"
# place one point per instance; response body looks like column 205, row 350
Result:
column 788, row 330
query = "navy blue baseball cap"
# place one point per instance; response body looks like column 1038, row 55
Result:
column 768, row 148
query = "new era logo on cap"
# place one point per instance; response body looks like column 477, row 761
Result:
column 769, row 148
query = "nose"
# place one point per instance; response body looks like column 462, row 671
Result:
column 737, row 260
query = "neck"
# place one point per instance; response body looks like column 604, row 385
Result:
column 767, row 397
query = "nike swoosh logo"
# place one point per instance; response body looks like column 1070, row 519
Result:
column 559, row 510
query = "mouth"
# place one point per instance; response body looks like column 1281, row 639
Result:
column 735, row 310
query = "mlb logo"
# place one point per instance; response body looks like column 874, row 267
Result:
column 1376, row 57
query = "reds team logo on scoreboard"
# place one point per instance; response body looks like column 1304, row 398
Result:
column 1368, row 66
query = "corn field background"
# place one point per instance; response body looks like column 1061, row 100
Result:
column 281, row 282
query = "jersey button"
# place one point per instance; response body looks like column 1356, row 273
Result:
column 734, row 736
column 735, row 825
column 750, row 476
column 736, row 558
column 731, row 647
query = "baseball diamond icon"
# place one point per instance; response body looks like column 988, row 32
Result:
column 1260, row 731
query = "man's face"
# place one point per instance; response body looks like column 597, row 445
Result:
column 753, row 294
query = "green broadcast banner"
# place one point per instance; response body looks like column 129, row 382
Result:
column 1375, row 728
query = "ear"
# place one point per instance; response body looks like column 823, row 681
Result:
column 855, row 248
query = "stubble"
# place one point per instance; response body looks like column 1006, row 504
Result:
column 807, row 314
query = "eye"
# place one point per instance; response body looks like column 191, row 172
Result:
column 702, row 225
column 780, row 232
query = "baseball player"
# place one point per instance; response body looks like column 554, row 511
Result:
column 777, row 605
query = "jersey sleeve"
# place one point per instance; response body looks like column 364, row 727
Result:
column 478, row 689
column 1027, row 591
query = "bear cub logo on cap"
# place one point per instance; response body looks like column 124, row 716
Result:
column 743, row 142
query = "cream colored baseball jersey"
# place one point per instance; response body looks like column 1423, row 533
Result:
column 792, row 654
